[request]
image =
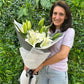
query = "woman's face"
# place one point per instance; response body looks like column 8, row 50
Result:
column 58, row 16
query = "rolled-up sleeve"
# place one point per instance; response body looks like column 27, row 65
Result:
column 69, row 37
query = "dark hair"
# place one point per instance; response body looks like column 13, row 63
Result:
column 67, row 22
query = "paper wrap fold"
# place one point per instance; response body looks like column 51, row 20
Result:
column 32, row 59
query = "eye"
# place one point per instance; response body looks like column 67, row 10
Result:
column 55, row 13
column 61, row 14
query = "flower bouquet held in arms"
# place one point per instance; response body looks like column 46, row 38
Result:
column 35, row 42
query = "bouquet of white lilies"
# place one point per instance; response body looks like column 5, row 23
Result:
column 34, row 45
column 35, row 42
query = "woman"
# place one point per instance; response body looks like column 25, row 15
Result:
column 54, row 69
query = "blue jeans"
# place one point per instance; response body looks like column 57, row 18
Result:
column 50, row 76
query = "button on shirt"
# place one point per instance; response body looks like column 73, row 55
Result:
column 67, row 40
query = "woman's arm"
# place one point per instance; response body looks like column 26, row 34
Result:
column 59, row 56
column 56, row 58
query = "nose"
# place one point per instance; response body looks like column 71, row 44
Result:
column 57, row 16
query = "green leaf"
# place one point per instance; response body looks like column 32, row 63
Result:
column 41, row 22
column 1, row 4
column 23, row 11
column 46, row 4
column 37, row 3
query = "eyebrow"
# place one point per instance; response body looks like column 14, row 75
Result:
column 59, row 13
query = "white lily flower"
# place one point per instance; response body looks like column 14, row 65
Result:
column 46, row 42
column 40, row 39
column 34, row 37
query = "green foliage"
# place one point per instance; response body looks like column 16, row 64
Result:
column 11, row 64
column 46, row 4
column 76, row 64
column 10, row 60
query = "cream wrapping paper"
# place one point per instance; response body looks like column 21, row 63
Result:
column 33, row 58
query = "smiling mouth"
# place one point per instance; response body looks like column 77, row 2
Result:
column 56, row 21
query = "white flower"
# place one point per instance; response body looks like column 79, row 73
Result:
column 46, row 42
column 34, row 37
column 39, row 38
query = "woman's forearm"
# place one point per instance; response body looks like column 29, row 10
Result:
column 58, row 56
column 54, row 59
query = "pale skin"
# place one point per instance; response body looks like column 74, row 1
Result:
column 58, row 17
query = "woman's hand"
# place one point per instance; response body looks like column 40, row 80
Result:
column 25, row 68
column 55, row 58
column 38, row 69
